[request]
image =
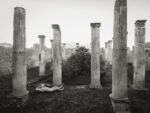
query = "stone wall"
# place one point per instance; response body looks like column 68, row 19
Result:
column 32, row 56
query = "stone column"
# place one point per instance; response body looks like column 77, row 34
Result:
column 42, row 55
column 139, row 55
column 64, row 51
column 109, row 44
column 132, row 54
column 95, row 56
column 119, row 96
column 106, row 51
column 57, row 56
column 19, row 50
column 77, row 45
column 51, row 50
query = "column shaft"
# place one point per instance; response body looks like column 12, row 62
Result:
column 19, row 49
column 139, row 55
column 95, row 56
column 119, row 66
column 119, row 96
column 64, row 52
column 57, row 56
column 51, row 50
column 42, row 55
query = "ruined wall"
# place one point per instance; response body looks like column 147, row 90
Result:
column 32, row 58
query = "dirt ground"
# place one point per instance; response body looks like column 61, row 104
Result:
column 71, row 100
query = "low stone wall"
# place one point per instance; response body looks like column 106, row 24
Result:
column 6, row 59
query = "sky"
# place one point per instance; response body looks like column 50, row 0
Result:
column 74, row 18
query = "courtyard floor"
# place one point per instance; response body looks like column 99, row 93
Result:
column 71, row 100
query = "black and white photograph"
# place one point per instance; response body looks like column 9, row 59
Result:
column 74, row 56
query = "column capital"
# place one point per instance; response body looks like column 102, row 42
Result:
column 140, row 23
column 120, row 3
column 93, row 25
column 41, row 36
column 20, row 9
column 55, row 26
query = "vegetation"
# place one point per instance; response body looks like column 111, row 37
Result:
column 77, row 69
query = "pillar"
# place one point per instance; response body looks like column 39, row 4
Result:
column 19, row 50
column 95, row 56
column 106, row 51
column 109, row 44
column 119, row 97
column 57, row 56
column 42, row 55
column 139, row 55
column 51, row 50
column 64, row 51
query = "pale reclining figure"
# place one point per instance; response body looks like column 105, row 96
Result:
column 49, row 88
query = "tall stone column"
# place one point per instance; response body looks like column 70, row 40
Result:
column 64, row 51
column 95, row 56
column 42, row 55
column 119, row 96
column 109, row 44
column 19, row 50
column 139, row 55
column 57, row 56
column 51, row 50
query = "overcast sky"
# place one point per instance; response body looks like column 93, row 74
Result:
column 74, row 18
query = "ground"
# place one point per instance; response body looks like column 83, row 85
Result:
column 71, row 100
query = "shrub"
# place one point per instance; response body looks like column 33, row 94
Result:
column 77, row 69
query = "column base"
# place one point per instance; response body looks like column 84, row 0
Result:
column 140, row 89
column 58, row 85
column 20, row 95
column 19, row 99
column 120, row 105
column 95, row 86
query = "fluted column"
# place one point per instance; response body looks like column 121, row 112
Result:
column 42, row 55
column 139, row 55
column 119, row 95
column 57, row 55
column 19, row 50
column 95, row 56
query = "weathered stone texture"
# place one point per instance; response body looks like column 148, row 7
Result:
column 19, row 50
column 42, row 55
column 95, row 56
column 64, row 51
column 119, row 96
column 139, row 55
column 57, row 55
column 108, row 51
